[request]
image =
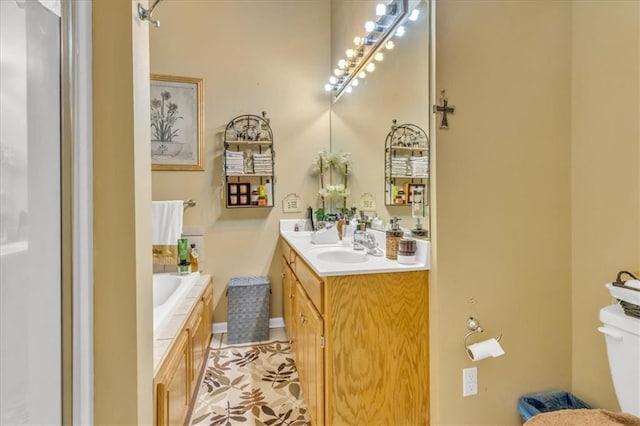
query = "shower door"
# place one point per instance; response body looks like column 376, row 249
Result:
column 30, row 213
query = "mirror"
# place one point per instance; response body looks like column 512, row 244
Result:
column 398, row 89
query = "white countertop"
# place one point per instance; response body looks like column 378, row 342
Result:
column 164, row 338
column 301, row 242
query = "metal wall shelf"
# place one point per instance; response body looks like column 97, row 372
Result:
column 249, row 162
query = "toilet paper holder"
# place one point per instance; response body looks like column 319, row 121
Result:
column 473, row 325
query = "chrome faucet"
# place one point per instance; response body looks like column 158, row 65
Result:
column 366, row 240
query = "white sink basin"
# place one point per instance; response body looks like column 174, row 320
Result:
column 340, row 255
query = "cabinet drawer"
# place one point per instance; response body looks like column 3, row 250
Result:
column 287, row 253
column 311, row 283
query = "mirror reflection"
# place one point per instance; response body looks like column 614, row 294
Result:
column 397, row 90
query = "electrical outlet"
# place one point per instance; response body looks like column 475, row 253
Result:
column 469, row 381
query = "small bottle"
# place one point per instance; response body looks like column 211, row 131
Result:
column 254, row 197
column 393, row 237
column 262, row 195
column 269, row 192
column 193, row 258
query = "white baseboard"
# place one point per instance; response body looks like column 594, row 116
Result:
column 221, row 327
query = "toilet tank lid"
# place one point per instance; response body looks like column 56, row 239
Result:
column 614, row 316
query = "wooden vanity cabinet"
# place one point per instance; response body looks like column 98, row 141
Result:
column 288, row 294
column 361, row 344
column 310, row 352
column 177, row 377
column 173, row 390
column 195, row 328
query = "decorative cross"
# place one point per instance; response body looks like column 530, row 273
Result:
column 445, row 109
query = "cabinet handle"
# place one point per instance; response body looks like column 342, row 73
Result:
column 302, row 319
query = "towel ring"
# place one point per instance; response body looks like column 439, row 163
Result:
column 473, row 325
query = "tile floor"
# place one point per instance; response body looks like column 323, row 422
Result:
column 219, row 340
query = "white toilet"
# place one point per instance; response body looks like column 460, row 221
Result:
column 622, row 334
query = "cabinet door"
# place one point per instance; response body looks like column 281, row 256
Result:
column 311, row 351
column 207, row 316
column 196, row 340
column 173, row 388
column 288, row 295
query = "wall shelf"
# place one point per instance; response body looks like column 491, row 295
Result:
column 406, row 164
column 248, row 162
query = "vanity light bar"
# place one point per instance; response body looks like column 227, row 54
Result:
column 367, row 48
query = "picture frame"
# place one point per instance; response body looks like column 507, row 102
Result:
column 177, row 123
column 244, row 190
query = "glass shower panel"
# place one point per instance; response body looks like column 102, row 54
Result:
column 30, row 202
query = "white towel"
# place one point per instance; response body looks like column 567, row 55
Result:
column 167, row 221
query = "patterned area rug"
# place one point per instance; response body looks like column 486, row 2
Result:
column 250, row 385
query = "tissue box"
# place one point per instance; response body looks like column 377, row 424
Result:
column 248, row 309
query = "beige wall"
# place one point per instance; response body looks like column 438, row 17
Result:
column 123, row 350
column 605, row 177
column 254, row 56
column 503, row 231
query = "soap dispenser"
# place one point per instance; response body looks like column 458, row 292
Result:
column 393, row 237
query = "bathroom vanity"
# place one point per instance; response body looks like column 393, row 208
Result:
column 179, row 353
column 359, row 331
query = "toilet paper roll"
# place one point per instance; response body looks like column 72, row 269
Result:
column 485, row 349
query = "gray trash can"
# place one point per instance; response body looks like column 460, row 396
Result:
column 248, row 309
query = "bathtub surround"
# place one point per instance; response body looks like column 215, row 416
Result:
column 169, row 289
column 180, row 345
column 172, row 317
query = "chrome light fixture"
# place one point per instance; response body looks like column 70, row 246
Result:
column 367, row 48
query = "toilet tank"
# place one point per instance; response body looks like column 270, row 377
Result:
column 622, row 334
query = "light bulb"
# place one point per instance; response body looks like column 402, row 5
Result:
column 381, row 9
column 362, row 74
column 342, row 64
column 357, row 41
column 337, row 72
column 351, row 53
column 414, row 15
column 369, row 26
column 379, row 56
column 400, row 31
column 328, row 87
column 355, row 82
column 390, row 45
column 348, row 89
column 371, row 67
column 333, row 80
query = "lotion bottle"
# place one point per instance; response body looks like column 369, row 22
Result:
column 393, row 237
column 193, row 258
column 269, row 192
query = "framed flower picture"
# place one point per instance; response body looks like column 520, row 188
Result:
column 177, row 123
